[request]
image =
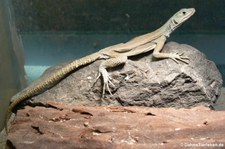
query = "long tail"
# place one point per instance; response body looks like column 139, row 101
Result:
column 44, row 83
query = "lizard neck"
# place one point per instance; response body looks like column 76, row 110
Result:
column 168, row 28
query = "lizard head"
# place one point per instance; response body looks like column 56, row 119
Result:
column 181, row 16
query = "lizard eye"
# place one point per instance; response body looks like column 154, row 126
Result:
column 183, row 12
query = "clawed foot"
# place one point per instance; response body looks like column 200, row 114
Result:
column 106, row 80
column 180, row 57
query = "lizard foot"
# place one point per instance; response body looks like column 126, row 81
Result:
column 106, row 80
column 180, row 57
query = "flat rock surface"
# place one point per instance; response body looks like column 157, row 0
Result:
column 144, row 81
column 69, row 126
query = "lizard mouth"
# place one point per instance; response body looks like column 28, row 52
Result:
column 185, row 18
column 190, row 14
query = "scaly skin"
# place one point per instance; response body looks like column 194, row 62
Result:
column 115, row 56
column 44, row 83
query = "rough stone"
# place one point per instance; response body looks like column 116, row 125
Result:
column 220, row 103
column 144, row 81
column 69, row 126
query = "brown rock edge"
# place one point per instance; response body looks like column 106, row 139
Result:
column 69, row 126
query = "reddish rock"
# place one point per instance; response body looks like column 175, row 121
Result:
column 63, row 126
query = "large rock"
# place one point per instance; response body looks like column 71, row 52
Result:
column 67, row 126
column 144, row 81
column 220, row 103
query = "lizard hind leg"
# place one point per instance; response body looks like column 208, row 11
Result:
column 109, row 63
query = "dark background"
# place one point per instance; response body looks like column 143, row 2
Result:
column 123, row 16
column 55, row 31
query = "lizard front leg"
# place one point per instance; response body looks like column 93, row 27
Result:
column 159, row 45
column 109, row 63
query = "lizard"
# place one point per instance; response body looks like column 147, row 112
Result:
column 113, row 56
